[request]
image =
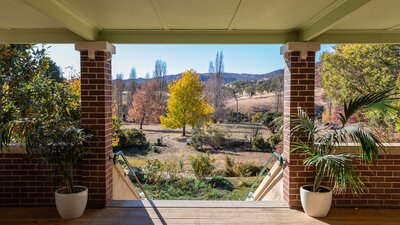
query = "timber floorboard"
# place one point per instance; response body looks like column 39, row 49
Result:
column 170, row 215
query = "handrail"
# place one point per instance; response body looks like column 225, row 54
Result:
column 279, row 157
column 121, row 153
column 269, row 160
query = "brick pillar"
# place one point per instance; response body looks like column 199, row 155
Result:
column 299, row 82
column 96, row 110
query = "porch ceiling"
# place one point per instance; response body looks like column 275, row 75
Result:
column 194, row 21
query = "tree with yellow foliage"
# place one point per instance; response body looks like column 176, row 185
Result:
column 186, row 105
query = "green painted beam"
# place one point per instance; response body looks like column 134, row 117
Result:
column 360, row 36
column 197, row 36
column 66, row 17
column 33, row 36
column 330, row 19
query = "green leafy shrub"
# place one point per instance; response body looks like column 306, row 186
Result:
column 274, row 139
column 259, row 144
column 196, row 141
column 216, row 137
column 221, row 182
column 229, row 164
column 236, row 143
column 246, row 169
column 173, row 168
column 238, row 169
column 202, row 165
column 61, row 147
column 154, row 171
column 116, row 130
column 187, row 188
column 211, row 136
column 216, row 194
column 257, row 117
column 132, row 138
column 154, row 148
column 139, row 174
column 236, row 117
column 269, row 119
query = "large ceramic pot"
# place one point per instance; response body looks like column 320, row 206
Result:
column 316, row 204
column 73, row 205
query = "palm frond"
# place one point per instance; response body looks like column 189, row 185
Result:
column 278, row 122
column 303, row 124
column 374, row 99
column 338, row 169
column 368, row 142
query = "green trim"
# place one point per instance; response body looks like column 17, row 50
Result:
column 33, row 36
column 331, row 19
column 67, row 18
column 198, row 37
column 361, row 36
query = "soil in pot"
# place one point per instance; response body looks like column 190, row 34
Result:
column 320, row 189
column 76, row 189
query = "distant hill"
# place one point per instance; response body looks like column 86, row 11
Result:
column 228, row 77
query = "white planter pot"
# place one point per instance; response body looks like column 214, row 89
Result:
column 316, row 204
column 73, row 205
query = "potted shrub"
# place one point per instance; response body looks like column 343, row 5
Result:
column 326, row 159
column 62, row 148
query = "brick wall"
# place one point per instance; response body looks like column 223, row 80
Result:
column 382, row 180
column 25, row 182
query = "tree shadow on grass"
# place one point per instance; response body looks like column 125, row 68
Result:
column 215, row 152
column 165, row 131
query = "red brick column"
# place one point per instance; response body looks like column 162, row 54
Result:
column 299, row 82
column 96, row 110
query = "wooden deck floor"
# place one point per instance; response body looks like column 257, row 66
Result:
column 244, row 216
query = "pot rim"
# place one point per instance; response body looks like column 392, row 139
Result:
column 80, row 186
column 308, row 185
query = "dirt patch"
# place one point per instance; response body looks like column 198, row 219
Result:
column 176, row 149
column 248, row 105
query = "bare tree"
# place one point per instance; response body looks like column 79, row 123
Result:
column 233, row 91
column 278, row 88
column 131, row 86
column 160, row 73
column 145, row 107
column 118, row 89
column 213, row 90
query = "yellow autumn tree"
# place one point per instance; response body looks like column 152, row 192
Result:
column 75, row 86
column 186, row 105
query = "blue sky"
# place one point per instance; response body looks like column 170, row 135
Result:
column 237, row 58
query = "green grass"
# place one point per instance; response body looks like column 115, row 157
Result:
column 199, row 189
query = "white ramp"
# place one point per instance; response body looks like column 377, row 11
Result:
column 123, row 188
column 271, row 188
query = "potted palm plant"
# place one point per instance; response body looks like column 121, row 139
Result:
column 62, row 148
column 329, row 162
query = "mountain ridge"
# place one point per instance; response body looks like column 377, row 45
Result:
column 228, row 77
